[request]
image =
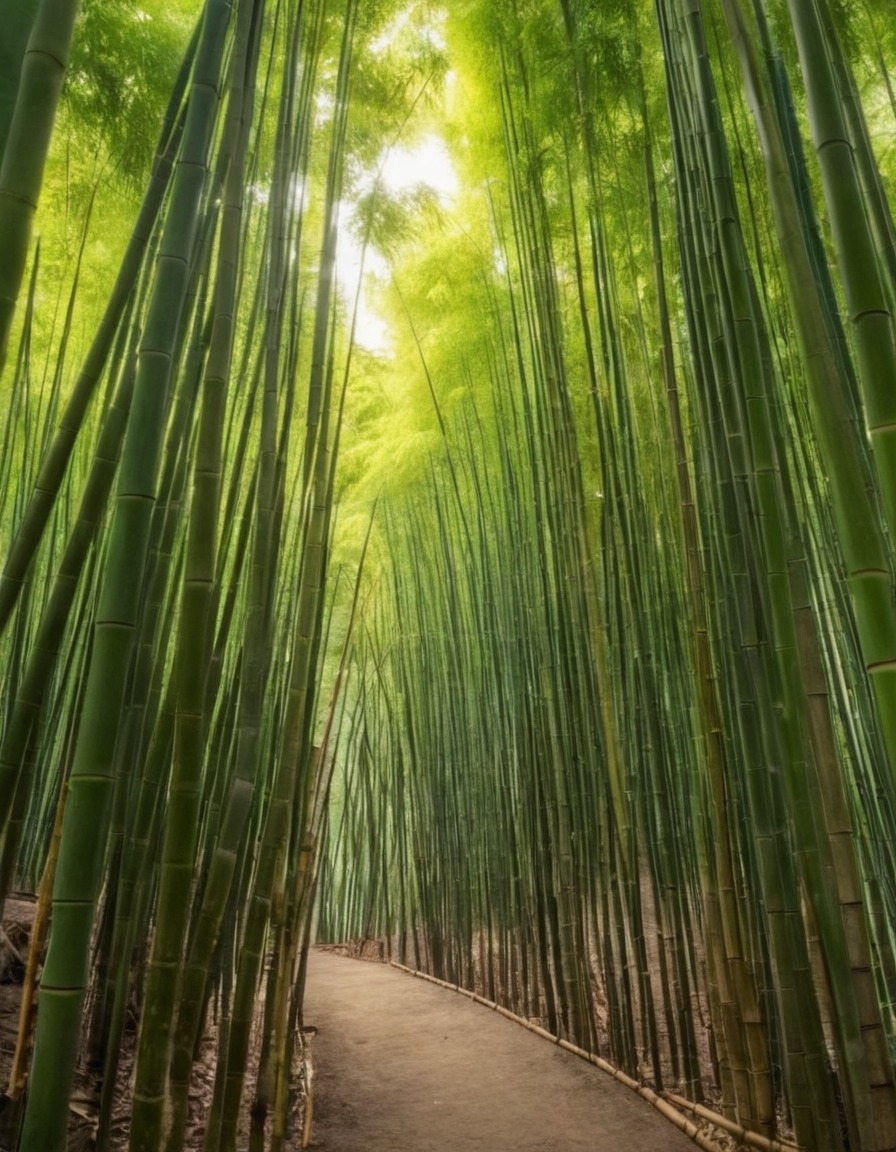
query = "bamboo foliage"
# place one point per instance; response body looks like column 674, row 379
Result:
column 613, row 740
column 53, row 466
column 27, row 142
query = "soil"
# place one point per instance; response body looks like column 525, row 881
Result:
column 401, row 1065
column 15, row 934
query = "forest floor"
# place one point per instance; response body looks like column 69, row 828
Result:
column 401, row 1065
column 15, row 935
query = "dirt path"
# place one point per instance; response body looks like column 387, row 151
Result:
column 401, row 1065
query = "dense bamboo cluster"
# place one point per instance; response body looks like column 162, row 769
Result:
column 165, row 598
column 614, row 734
column 620, row 754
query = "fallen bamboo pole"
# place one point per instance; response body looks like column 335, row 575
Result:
column 668, row 1104
column 764, row 1143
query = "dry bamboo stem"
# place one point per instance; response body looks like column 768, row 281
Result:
column 743, row 1134
column 308, row 1066
column 28, row 1008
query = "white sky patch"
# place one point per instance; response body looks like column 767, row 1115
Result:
column 324, row 103
column 390, row 33
column 426, row 163
column 371, row 331
column 432, row 32
column 404, row 169
column 299, row 186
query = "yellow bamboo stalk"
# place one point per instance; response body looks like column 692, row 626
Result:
column 18, row 1072
column 308, row 1067
column 743, row 1134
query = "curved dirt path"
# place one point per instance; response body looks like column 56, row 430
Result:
column 401, row 1065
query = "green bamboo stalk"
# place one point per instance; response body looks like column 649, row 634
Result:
column 52, row 630
column 855, row 243
column 876, row 1122
column 57, row 456
column 742, row 1025
column 237, row 797
column 193, row 644
column 82, row 851
column 27, row 144
column 18, row 30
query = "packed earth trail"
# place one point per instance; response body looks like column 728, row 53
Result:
column 401, row 1065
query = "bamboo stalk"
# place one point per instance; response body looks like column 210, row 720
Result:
column 743, row 1134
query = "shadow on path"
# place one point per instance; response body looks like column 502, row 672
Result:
column 401, row 1065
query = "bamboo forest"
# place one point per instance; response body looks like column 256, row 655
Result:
column 448, row 488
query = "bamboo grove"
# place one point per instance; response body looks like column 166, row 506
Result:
column 168, row 495
column 620, row 751
column 605, row 726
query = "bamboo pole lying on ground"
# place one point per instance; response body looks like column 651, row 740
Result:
column 742, row 1134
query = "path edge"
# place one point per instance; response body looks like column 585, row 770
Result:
column 660, row 1102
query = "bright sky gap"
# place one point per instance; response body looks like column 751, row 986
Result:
column 426, row 164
